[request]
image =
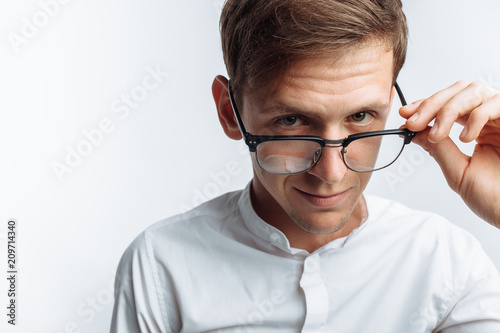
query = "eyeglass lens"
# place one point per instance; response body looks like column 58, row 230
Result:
column 295, row 156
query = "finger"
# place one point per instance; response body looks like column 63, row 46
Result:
column 428, row 108
column 464, row 102
column 451, row 160
column 490, row 110
column 463, row 119
column 409, row 110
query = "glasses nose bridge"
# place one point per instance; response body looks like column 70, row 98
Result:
column 333, row 143
column 333, row 146
column 330, row 144
column 329, row 166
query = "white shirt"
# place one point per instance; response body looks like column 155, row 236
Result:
column 220, row 268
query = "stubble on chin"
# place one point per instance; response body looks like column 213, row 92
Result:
column 310, row 227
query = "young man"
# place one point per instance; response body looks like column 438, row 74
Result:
column 301, row 248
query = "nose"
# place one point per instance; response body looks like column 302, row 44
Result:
column 330, row 167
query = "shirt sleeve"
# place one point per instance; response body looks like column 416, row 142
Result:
column 476, row 303
column 137, row 307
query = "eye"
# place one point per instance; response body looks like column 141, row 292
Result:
column 361, row 117
column 290, row 121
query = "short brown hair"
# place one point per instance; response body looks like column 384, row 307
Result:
column 262, row 38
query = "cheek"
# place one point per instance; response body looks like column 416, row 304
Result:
column 273, row 184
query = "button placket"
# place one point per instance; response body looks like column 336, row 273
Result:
column 316, row 295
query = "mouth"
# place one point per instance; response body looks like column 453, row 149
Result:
column 323, row 200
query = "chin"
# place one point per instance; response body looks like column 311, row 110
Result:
column 316, row 224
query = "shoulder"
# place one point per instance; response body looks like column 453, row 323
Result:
column 439, row 257
column 178, row 230
column 425, row 236
column 198, row 221
column 390, row 215
column 428, row 235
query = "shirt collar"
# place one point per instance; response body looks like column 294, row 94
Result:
column 270, row 234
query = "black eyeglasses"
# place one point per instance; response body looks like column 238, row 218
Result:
column 293, row 154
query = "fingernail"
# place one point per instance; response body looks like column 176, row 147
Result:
column 434, row 128
column 464, row 131
column 410, row 106
column 414, row 117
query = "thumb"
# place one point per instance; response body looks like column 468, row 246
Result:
column 451, row 160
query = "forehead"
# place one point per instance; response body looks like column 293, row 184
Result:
column 361, row 76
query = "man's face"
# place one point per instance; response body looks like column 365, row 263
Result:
column 326, row 97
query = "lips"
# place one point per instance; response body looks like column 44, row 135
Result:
column 323, row 200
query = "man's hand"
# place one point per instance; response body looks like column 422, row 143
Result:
column 476, row 106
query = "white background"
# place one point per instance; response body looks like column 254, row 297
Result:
column 169, row 152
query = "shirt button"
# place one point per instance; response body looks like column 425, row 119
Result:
column 275, row 238
column 312, row 264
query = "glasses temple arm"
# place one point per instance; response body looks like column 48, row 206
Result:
column 400, row 94
column 235, row 110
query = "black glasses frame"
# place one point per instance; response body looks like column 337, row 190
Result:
column 252, row 141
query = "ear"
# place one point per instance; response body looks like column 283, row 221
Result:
column 224, row 108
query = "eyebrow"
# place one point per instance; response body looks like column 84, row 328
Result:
column 282, row 108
